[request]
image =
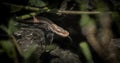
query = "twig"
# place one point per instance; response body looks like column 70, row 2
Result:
column 81, row 12
column 46, row 9
column 27, row 15
column 24, row 7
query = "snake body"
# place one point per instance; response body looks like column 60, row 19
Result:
column 53, row 27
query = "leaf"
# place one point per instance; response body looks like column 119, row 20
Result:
column 85, row 49
column 8, row 47
column 11, row 27
column 87, row 25
column 84, row 20
column 37, row 3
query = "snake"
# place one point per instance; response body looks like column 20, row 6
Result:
column 53, row 27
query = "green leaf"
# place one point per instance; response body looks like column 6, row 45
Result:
column 85, row 20
column 86, row 51
column 8, row 47
column 37, row 3
column 11, row 27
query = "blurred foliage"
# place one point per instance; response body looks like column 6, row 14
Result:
column 15, row 9
column 89, row 25
column 8, row 47
column 86, row 51
column 86, row 20
column 37, row 3
column 101, row 6
column 11, row 27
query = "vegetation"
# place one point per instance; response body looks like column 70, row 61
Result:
column 93, row 26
